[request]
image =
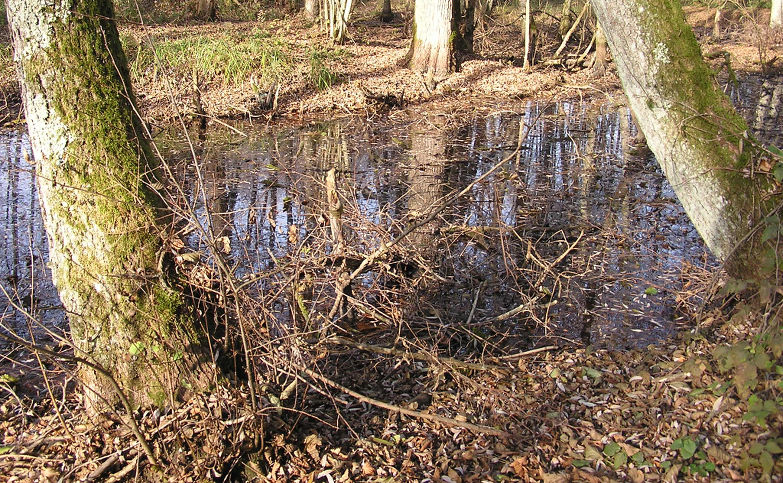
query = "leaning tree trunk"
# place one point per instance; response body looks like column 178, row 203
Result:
column 102, row 218
column 776, row 15
column 691, row 126
column 432, row 48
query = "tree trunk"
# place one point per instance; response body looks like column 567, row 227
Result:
column 102, row 218
column 432, row 49
column 566, row 18
column 716, row 23
column 311, row 9
column 526, row 64
column 206, row 10
column 776, row 15
column 599, row 62
column 691, row 126
column 386, row 13
column 335, row 15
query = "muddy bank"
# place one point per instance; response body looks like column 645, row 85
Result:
column 364, row 75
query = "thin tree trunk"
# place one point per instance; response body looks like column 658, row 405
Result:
column 697, row 136
column 716, row 23
column 526, row 64
column 102, row 218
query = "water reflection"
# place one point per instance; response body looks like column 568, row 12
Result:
column 574, row 178
column 574, row 219
column 23, row 274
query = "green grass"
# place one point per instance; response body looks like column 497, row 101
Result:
column 225, row 58
column 320, row 74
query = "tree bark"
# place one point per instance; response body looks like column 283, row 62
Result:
column 386, row 13
column 566, row 18
column 776, row 15
column 311, row 9
column 599, row 62
column 432, row 48
column 205, row 10
column 691, row 126
column 94, row 171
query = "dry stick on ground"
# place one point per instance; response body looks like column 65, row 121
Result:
column 420, row 356
column 446, row 202
column 99, row 369
column 408, row 412
column 529, row 353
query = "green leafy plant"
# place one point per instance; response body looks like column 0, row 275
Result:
column 694, row 459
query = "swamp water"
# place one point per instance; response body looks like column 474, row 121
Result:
column 576, row 229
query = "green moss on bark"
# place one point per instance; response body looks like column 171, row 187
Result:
column 709, row 122
column 101, row 213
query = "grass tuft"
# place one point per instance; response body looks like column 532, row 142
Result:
column 320, row 74
column 224, row 58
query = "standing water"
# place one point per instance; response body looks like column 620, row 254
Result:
column 578, row 227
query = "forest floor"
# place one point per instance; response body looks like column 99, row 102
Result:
column 706, row 405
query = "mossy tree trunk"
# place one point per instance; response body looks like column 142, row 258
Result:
column 697, row 136
column 102, row 217
column 434, row 31
column 566, row 18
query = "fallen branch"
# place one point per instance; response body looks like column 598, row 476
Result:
column 571, row 31
column 529, row 353
column 408, row 412
column 419, row 356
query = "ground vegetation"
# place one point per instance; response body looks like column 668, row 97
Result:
column 356, row 376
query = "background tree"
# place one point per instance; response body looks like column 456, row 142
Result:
column 335, row 15
column 103, row 219
column 205, row 10
column 776, row 15
column 599, row 61
column 311, row 9
column 698, row 138
column 432, row 47
column 386, row 12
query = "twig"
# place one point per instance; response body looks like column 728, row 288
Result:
column 408, row 412
column 99, row 471
column 420, row 356
column 529, row 353
column 99, row 369
column 523, row 307
column 123, row 472
column 475, row 302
